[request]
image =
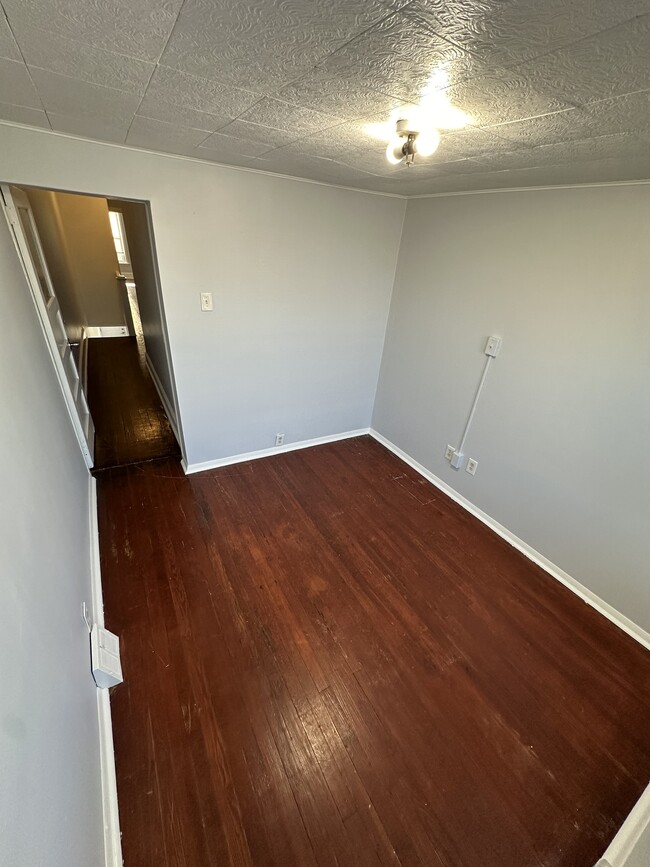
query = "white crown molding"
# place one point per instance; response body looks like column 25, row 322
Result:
column 206, row 162
column 547, row 188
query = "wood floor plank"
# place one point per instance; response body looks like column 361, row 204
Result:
column 328, row 662
column 130, row 422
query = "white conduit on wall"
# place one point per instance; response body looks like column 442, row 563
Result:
column 491, row 350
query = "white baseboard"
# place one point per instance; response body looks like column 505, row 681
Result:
column 95, row 567
column 587, row 595
column 106, row 331
column 162, row 394
column 112, row 835
column 276, row 450
column 636, row 826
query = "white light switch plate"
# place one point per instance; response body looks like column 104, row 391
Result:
column 206, row 302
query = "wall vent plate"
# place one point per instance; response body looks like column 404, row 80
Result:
column 105, row 657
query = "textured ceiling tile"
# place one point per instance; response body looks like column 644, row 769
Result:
column 155, row 134
column 137, row 28
column 621, row 146
column 213, row 37
column 546, row 129
column 292, row 118
column 522, row 159
column 16, row 86
column 340, row 139
column 511, row 31
column 8, row 48
column 339, row 96
column 21, row 114
column 428, row 186
column 298, row 86
column 199, row 94
column 502, row 95
column 595, row 171
column 78, row 60
column 398, row 57
column 226, row 146
column 572, row 173
column 609, row 64
column 234, row 159
column 299, row 165
column 273, row 138
column 91, row 127
column 628, row 113
column 470, row 143
column 158, row 108
column 69, row 96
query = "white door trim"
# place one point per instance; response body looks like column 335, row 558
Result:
column 84, row 438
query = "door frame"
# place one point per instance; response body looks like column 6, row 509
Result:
column 24, row 256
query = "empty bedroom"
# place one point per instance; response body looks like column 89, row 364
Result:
column 349, row 566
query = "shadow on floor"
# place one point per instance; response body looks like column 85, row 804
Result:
column 130, row 423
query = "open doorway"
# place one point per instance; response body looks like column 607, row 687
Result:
column 92, row 262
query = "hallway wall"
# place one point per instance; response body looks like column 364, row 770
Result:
column 79, row 249
column 50, row 796
column 136, row 225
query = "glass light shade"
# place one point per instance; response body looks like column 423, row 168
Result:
column 427, row 142
column 394, row 151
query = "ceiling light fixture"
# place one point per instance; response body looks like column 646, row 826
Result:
column 409, row 141
column 414, row 129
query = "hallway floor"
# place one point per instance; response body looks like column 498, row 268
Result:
column 329, row 662
column 130, row 423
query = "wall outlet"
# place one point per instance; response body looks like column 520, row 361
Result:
column 449, row 453
column 472, row 466
column 206, row 302
column 493, row 346
column 279, row 439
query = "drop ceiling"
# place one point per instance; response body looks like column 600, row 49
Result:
column 558, row 90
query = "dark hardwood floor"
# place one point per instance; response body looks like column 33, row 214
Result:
column 328, row 662
column 130, row 422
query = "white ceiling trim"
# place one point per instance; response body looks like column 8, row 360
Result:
column 182, row 157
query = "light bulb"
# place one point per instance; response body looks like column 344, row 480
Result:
column 452, row 118
column 395, row 151
column 427, row 142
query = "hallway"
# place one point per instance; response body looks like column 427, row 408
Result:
column 130, row 423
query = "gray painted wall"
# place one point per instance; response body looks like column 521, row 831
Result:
column 50, row 799
column 144, row 274
column 562, row 431
column 52, row 234
column 78, row 246
column 301, row 276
